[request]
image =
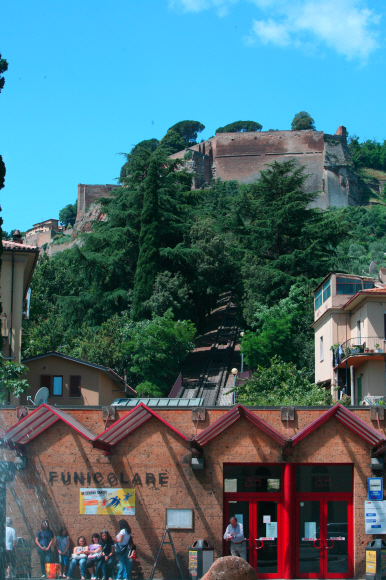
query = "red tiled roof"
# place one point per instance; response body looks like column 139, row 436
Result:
column 7, row 245
column 39, row 420
column 375, row 291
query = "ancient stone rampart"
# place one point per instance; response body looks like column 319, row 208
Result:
column 87, row 194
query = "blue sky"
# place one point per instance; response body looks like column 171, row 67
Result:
column 87, row 80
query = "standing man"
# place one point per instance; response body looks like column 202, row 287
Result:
column 235, row 534
column 43, row 541
column 10, row 547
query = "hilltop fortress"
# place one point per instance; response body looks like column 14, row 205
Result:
column 242, row 156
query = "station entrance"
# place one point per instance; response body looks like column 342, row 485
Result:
column 297, row 519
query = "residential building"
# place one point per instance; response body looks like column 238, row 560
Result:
column 350, row 330
column 18, row 264
column 72, row 381
column 42, row 232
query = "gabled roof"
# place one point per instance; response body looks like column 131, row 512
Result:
column 231, row 417
column 348, row 419
column 129, row 423
column 8, row 245
column 112, row 374
column 362, row 294
column 38, row 421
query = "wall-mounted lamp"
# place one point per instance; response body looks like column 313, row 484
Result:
column 198, row 462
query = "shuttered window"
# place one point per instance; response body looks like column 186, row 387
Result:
column 75, row 386
column 46, row 381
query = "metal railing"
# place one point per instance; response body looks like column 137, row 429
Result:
column 358, row 346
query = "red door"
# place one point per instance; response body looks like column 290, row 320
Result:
column 324, row 536
column 261, row 516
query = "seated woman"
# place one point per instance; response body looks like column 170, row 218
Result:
column 106, row 563
column 131, row 553
column 79, row 557
column 94, row 554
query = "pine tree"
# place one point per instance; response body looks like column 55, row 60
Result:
column 149, row 242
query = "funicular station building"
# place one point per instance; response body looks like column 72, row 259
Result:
column 295, row 477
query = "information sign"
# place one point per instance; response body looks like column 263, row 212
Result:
column 107, row 501
column 375, row 517
column 375, row 488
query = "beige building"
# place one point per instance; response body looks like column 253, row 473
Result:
column 42, row 232
column 18, row 264
column 350, row 331
column 73, row 381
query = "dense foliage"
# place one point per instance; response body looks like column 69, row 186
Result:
column 302, row 121
column 188, row 130
column 240, row 127
column 67, row 215
column 10, row 381
column 134, row 293
column 281, row 384
column 369, row 153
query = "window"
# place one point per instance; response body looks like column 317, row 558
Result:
column 322, row 294
column 317, row 478
column 350, row 286
column 75, row 386
column 318, row 299
column 45, row 381
column 57, row 387
column 326, row 290
column 321, row 349
column 252, row 478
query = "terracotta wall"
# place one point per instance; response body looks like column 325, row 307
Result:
column 158, row 461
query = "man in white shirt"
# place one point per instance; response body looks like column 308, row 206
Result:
column 235, row 534
column 10, row 546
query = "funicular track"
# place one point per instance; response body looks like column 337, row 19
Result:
column 214, row 375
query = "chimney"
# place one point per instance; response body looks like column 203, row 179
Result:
column 17, row 237
column 342, row 131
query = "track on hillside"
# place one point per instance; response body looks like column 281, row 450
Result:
column 214, row 375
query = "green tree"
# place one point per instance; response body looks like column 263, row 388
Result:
column 149, row 240
column 67, row 215
column 283, row 329
column 171, row 291
column 280, row 384
column 188, row 130
column 302, row 121
column 3, row 68
column 284, row 238
column 10, row 381
column 140, row 150
column 172, row 142
column 240, row 127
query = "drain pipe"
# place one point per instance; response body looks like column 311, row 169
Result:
column 11, row 320
column 352, row 385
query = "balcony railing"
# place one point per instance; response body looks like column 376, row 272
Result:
column 369, row 345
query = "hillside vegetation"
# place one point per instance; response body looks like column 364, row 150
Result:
column 136, row 292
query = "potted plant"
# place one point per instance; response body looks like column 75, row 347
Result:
column 377, row 348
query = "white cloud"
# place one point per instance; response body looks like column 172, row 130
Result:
column 346, row 26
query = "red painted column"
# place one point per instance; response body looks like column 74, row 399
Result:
column 289, row 527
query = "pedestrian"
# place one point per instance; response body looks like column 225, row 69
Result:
column 121, row 548
column 79, row 557
column 63, row 547
column 94, row 555
column 131, row 553
column 235, row 534
column 10, row 548
column 43, row 541
column 106, row 563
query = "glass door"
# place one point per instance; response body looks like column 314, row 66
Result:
column 324, row 538
column 240, row 511
column 266, row 539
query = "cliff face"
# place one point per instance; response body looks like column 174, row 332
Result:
column 242, row 156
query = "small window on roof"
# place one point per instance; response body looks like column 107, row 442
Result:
column 327, row 290
column 318, row 299
column 75, row 386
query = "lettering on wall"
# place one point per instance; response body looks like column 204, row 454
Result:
column 97, row 478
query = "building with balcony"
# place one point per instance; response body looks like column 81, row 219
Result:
column 350, row 331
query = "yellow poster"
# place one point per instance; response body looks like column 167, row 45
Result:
column 107, row 501
column 371, row 562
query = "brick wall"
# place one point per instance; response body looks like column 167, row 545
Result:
column 87, row 194
column 155, row 449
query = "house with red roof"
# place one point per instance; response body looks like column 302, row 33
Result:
column 350, row 333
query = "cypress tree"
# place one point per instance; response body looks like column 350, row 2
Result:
column 149, row 241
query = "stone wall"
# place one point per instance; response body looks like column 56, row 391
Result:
column 87, row 194
column 242, row 157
